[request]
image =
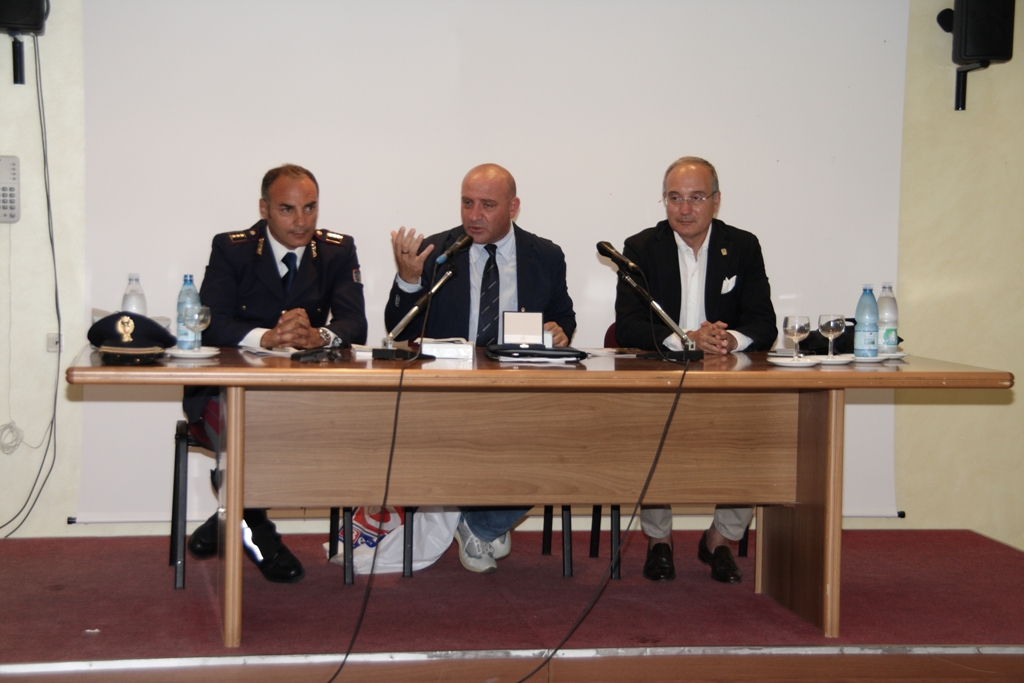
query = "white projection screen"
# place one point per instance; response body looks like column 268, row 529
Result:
column 799, row 104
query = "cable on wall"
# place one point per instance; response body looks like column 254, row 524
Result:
column 50, row 435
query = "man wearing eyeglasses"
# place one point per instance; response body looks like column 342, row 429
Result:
column 710, row 277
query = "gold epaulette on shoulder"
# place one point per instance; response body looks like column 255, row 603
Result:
column 331, row 237
column 244, row 236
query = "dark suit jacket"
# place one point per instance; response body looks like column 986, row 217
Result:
column 540, row 281
column 747, row 308
column 242, row 287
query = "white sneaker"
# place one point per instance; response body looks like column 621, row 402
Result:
column 502, row 545
column 475, row 555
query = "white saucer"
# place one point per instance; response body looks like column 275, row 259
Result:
column 839, row 359
column 191, row 362
column 892, row 355
column 205, row 352
column 790, row 362
column 868, row 359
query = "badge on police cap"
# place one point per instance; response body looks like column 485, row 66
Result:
column 129, row 339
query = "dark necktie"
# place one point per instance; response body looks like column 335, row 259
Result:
column 289, row 277
column 487, row 323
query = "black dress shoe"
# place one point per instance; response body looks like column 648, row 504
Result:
column 202, row 544
column 723, row 566
column 283, row 567
column 659, row 565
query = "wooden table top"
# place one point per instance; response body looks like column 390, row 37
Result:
column 735, row 372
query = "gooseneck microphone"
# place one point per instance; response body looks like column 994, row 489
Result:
column 606, row 249
column 690, row 352
column 454, row 249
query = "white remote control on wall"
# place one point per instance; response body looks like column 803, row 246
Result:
column 10, row 184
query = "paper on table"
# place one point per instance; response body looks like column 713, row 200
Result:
column 448, row 348
column 535, row 360
column 276, row 351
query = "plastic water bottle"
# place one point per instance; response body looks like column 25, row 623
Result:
column 134, row 299
column 865, row 332
column 888, row 315
column 188, row 296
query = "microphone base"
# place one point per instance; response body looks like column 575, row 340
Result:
column 684, row 355
column 397, row 354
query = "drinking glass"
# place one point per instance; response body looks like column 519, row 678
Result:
column 197, row 319
column 831, row 325
column 796, row 327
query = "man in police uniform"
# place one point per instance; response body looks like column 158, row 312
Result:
column 273, row 285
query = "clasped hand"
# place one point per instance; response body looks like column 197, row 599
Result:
column 712, row 338
column 293, row 329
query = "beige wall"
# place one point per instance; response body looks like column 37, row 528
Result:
column 958, row 463
column 27, row 371
column 961, row 250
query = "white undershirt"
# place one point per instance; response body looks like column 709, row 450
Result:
column 693, row 271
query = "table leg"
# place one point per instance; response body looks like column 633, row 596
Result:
column 232, row 495
column 799, row 546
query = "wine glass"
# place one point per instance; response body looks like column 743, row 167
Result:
column 197, row 319
column 831, row 325
column 796, row 327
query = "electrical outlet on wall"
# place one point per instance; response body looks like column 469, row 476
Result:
column 53, row 342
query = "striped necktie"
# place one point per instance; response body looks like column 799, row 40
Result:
column 487, row 323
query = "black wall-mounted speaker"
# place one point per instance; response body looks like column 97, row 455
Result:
column 24, row 16
column 982, row 31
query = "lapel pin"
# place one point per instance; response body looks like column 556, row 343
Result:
column 725, row 252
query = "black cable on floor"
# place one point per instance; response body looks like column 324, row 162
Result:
column 615, row 557
column 387, row 486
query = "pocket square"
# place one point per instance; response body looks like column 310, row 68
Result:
column 728, row 283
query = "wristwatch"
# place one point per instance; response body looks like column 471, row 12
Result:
column 330, row 340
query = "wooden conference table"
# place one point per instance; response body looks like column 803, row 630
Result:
column 483, row 433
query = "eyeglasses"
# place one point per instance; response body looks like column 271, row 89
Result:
column 696, row 201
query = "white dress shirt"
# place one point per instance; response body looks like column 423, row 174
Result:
column 693, row 269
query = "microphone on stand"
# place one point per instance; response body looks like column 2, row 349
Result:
column 454, row 249
column 690, row 350
column 606, row 249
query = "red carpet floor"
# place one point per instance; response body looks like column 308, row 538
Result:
column 113, row 598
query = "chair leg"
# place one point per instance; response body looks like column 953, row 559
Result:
column 407, row 536
column 742, row 551
column 346, row 541
column 566, row 541
column 616, row 541
column 178, row 444
column 332, row 539
column 595, row 532
column 545, row 539
column 179, row 503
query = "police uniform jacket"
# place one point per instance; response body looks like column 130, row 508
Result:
column 243, row 288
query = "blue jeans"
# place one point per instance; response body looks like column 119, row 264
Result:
column 487, row 523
